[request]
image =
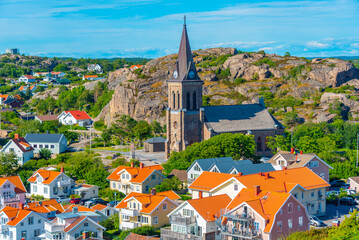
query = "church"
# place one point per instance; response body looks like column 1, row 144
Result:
column 189, row 122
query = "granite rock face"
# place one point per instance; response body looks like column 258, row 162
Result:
column 229, row 78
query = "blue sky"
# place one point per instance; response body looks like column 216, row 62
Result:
column 152, row 28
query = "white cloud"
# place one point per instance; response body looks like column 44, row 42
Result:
column 315, row 44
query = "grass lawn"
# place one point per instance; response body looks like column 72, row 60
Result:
column 111, row 234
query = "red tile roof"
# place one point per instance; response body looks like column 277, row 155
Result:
column 210, row 207
column 99, row 207
column 79, row 115
column 29, row 76
column 19, row 186
column 138, row 174
column 134, row 236
column 136, row 66
column 45, row 118
column 72, row 225
column 22, row 144
column 149, row 202
column 90, row 76
column 47, row 175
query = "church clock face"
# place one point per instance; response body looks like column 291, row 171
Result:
column 175, row 74
column 191, row 74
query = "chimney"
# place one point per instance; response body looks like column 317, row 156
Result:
column 16, row 136
column 292, row 150
column 153, row 191
column 260, row 173
column 75, row 210
column 266, row 175
column 301, row 152
column 284, row 168
column 85, row 235
column 132, row 164
column 240, row 174
column 21, row 206
column 62, row 170
column 141, row 165
column 257, row 189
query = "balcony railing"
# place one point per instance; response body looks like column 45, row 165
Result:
column 129, row 225
column 63, row 183
column 54, row 228
column 9, row 199
column 244, row 233
column 167, row 234
column 181, row 220
column 3, row 228
column 129, row 212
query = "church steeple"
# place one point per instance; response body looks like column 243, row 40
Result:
column 185, row 68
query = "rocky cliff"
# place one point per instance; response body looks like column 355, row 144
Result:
column 287, row 83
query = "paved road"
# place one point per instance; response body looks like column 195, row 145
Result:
column 336, row 212
column 156, row 158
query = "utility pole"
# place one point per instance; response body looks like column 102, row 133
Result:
column 90, row 138
column 357, row 149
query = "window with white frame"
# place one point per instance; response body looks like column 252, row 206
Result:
column 34, row 188
column 164, row 206
column 300, row 221
column 313, row 164
column 290, row 207
column 123, row 176
column 256, row 225
column 279, row 226
column 290, row 223
column 125, row 217
column 30, row 220
column 197, row 168
column 155, row 220
column 235, row 186
column 46, row 190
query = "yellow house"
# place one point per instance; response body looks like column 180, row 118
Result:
column 138, row 209
column 136, row 179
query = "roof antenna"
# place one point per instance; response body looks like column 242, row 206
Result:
column 184, row 20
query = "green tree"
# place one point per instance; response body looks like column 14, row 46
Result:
column 170, row 184
column 156, row 128
column 109, row 194
column 62, row 67
column 142, row 130
column 237, row 146
column 45, row 153
column 97, row 176
column 8, row 163
column 106, row 137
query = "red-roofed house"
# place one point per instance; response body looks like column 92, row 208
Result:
column 309, row 190
column 27, row 79
column 138, row 209
column 51, row 184
column 259, row 214
column 134, row 67
column 12, row 192
column 20, row 147
column 17, row 223
column 195, row 217
column 75, row 117
column 136, row 179
column 104, row 209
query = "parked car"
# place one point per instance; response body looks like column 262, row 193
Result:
column 82, row 201
column 350, row 191
column 95, row 201
column 113, row 203
column 63, row 199
column 338, row 184
column 346, row 201
column 75, row 200
column 314, row 221
column 336, row 193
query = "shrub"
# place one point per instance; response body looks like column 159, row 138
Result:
column 267, row 61
column 45, row 153
column 239, row 81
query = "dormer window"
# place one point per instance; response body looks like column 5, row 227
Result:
column 215, row 169
column 197, row 168
column 281, row 163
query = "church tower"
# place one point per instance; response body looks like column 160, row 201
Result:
column 184, row 125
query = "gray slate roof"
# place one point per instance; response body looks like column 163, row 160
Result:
column 250, row 168
column 239, row 118
column 226, row 165
column 37, row 137
column 156, row 140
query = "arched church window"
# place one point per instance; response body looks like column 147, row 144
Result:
column 259, row 144
column 173, row 100
column 178, row 100
column 194, row 100
column 188, row 101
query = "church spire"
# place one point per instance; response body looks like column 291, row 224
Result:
column 185, row 66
